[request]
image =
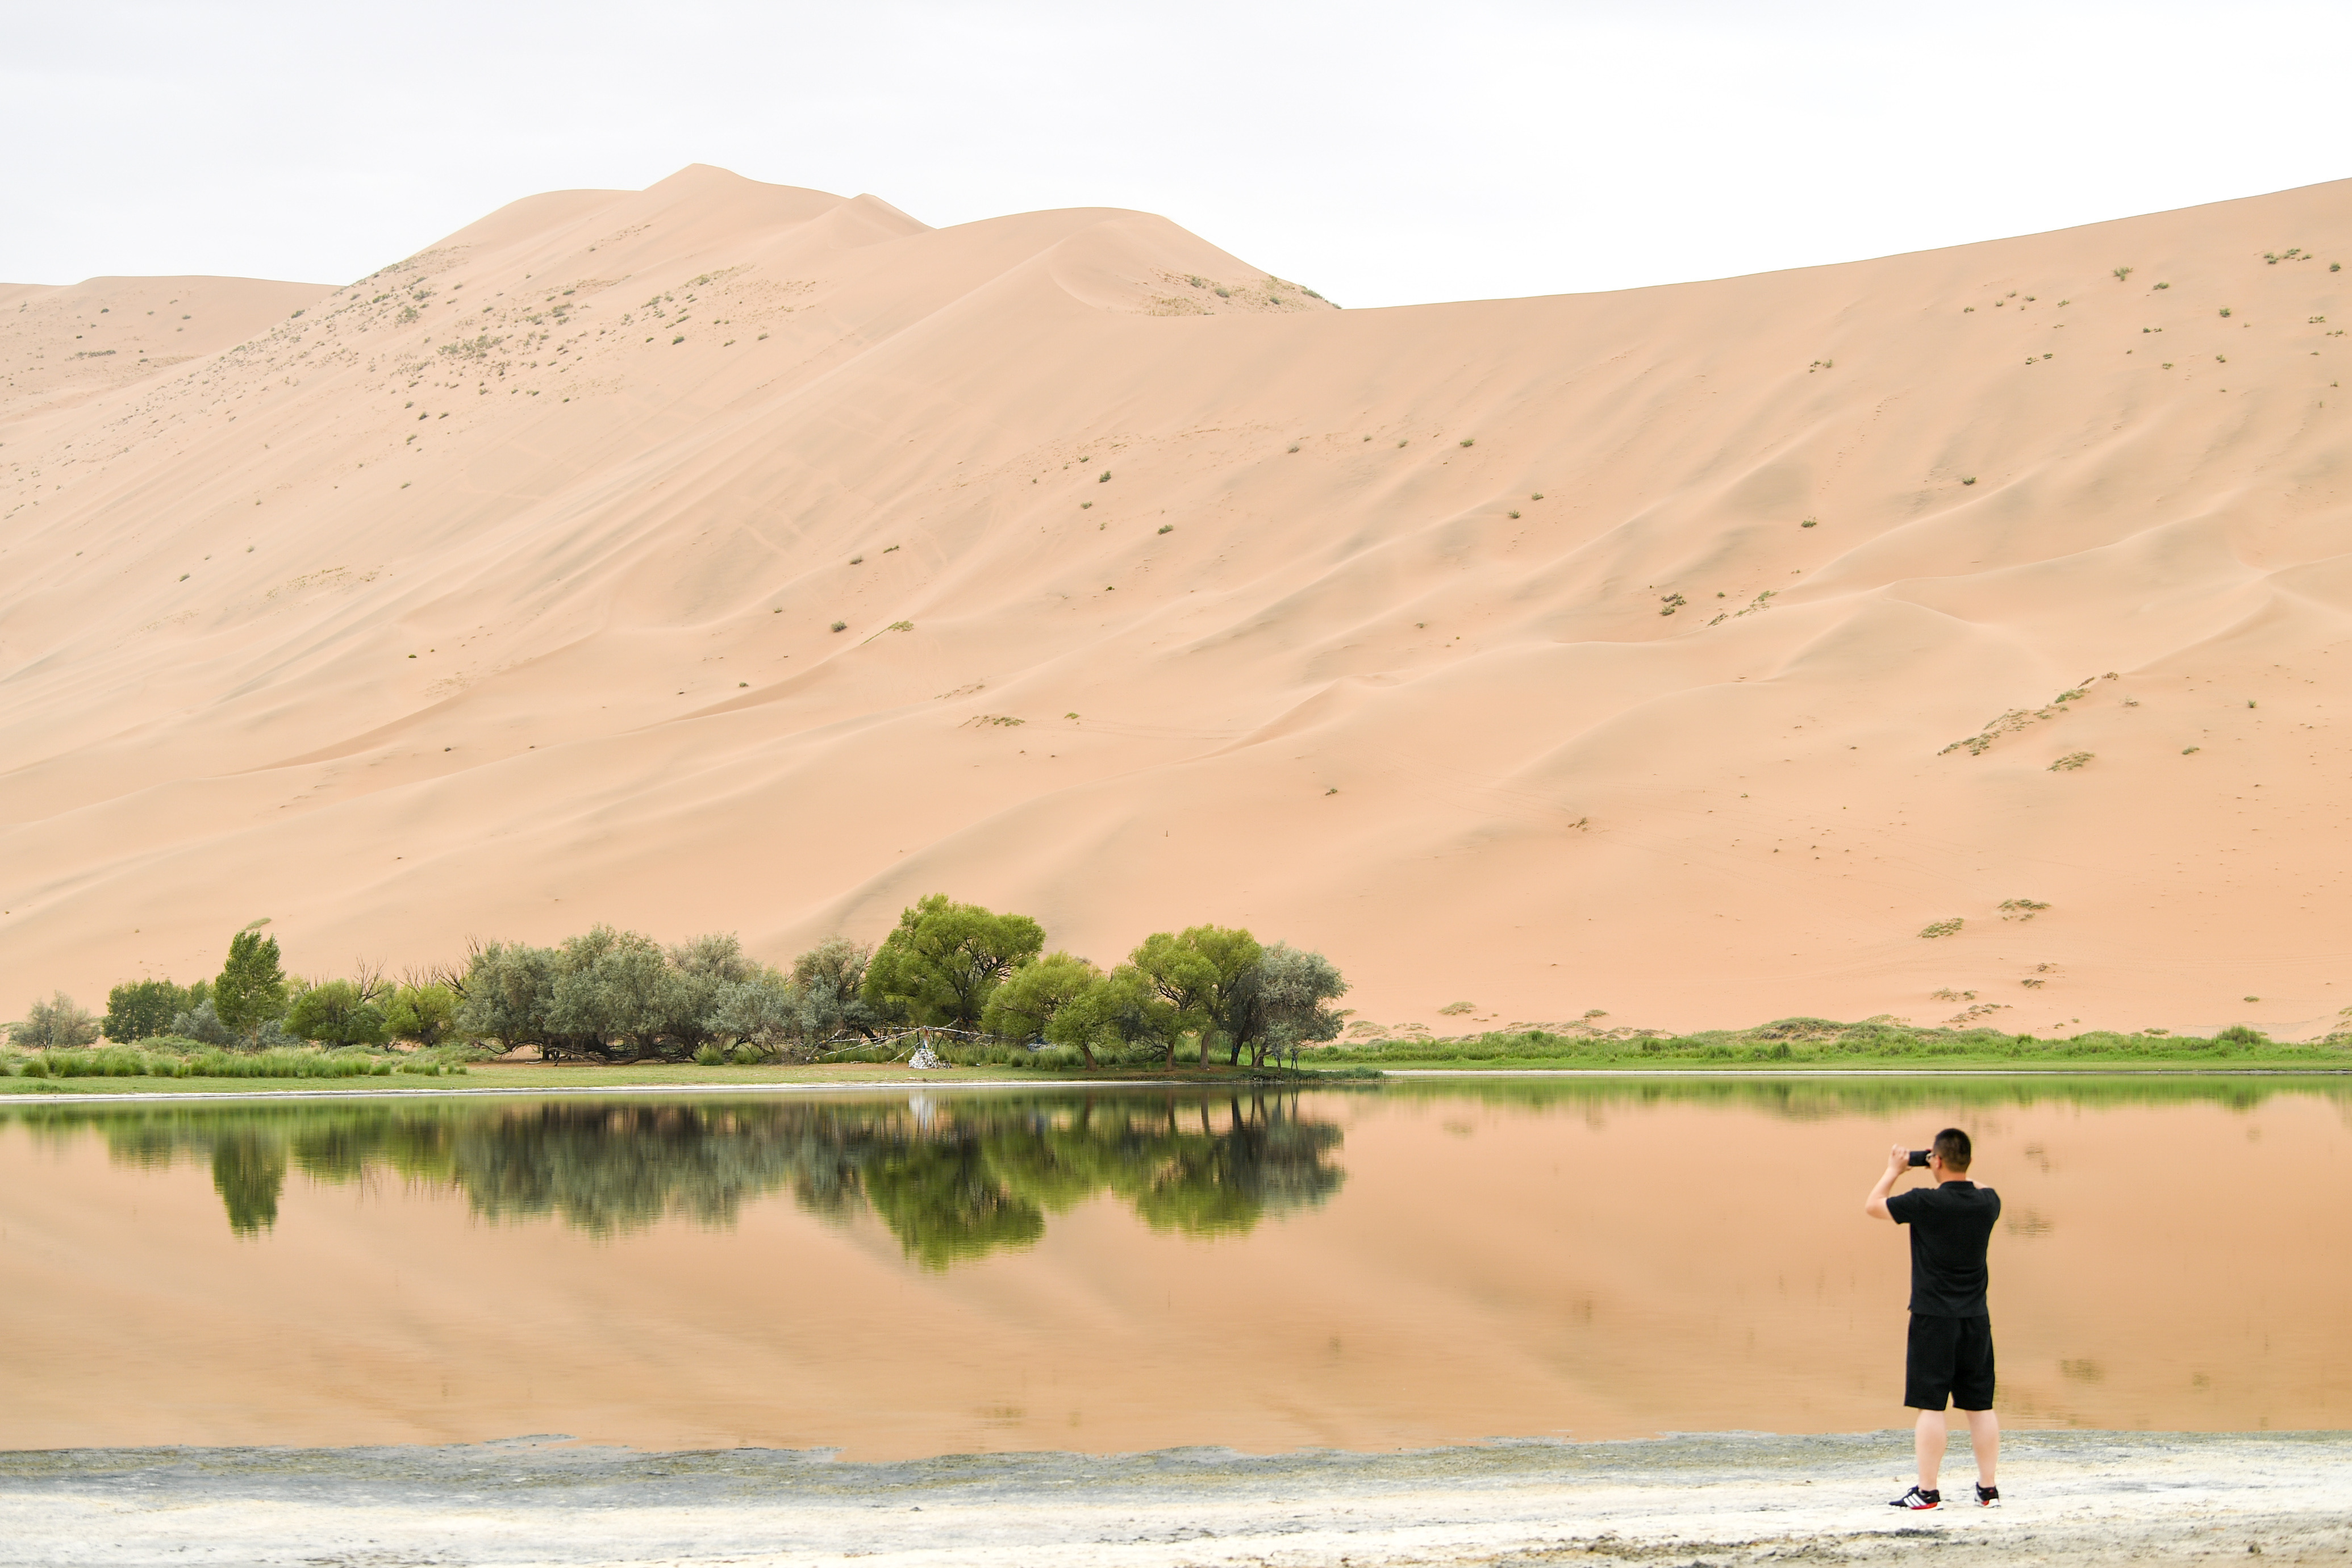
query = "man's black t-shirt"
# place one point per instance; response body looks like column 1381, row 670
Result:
column 1950, row 1225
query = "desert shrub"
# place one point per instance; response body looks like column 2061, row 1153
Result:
column 701, row 969
column 509, row 995
column 761, row 1012
column 58, row 1024
column 830, row 979
column 617, row 989
column 336, row 1014
column 1295, row 989
column 615, row 995
column 202, row 1023
column 421, row 1012
column 138, row 1008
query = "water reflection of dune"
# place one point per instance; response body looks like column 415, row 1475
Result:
column 951, row 1179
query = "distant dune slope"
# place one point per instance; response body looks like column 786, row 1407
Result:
column 1684, row 653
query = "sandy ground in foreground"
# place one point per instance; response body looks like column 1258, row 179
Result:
column 2084, row 1498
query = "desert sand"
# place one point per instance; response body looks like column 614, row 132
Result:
column 492, row 594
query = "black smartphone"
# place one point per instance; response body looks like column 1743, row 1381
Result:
column 1919, row 1157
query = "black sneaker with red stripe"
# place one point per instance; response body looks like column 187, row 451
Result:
column 1918, row 1502
column 1988, row 1497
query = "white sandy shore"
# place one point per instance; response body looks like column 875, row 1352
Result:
column 2085, row 1498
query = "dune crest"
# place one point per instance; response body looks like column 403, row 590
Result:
column 1689, row 652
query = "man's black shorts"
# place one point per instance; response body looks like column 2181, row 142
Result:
column 1950, row 1358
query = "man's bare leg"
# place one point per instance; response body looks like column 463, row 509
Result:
column 1984, row 1436
column 1927, row 1438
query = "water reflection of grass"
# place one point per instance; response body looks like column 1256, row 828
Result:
column 1825, row 1043
column 950, row 1177
column 1822, row 1099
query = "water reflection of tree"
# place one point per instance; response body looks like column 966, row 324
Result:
column 249, row 1172
column 951, row 1179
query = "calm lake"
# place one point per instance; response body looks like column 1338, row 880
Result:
column 1109, row 1269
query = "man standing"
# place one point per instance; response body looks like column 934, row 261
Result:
column 1950, row 1352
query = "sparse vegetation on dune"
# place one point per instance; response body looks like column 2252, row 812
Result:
column 1824, row 1042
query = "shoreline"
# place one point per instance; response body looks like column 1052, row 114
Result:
column 2074, row 1499
column 135, row 1095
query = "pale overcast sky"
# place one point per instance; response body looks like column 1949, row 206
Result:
column 1385, row 153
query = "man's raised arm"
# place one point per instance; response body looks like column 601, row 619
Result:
column 1898, row 1160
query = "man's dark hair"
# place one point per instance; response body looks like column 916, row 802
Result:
column 1951, row 1147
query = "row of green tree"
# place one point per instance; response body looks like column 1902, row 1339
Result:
column 618, row 995
column 251, row 1003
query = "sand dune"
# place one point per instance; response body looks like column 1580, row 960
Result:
column 1607, row 652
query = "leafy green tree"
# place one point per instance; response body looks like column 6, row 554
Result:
column 830, row 979
column 1208, row 974
column 763, row 1010
column 617, row 988
column 57, row 1023
column 510, row 997
column 139, row 1008
column 1121, row 1012
column 421, row 1012
column 337, row 1014
column 1025, row 1005
column 700, row 970
column 944, row 960
column 251, row 990
column 1295, row 989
